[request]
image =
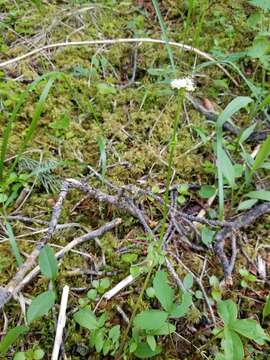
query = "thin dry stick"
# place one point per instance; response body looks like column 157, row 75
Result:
column 61, row 323
column 242, row 221
column 117, row 41
column 199, row 282
column 6, row 293
column 29, row 277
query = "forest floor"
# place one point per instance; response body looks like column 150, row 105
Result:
column 96, row 124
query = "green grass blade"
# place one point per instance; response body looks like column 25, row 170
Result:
column 13, row 244
column 22, row 99
column 103, row 156
column 235, row 105
column 8, row 129
column 224, row 165
column 164, row 33
column 37, row 114
column 262, row 155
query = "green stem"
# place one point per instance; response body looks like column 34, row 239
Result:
column 121, row 347
column 172, row 145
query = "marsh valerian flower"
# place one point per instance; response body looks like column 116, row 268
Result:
column 183, row 83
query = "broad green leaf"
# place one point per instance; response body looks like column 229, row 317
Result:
column 20, row 356
column 266, row 308
column 227, row 309
column 99, row 339
column 251, row 329
column 114, row 333
column 3, row 198
column 86, row 318
column 259, row 48
column 163, row 291
column 263, row 4
column 235, row 105
column 226, row 166
column 150, row 292
column 188, row 281
column 144, row 351
column 92, row 294
column 150, row 319
column 166, row 329
column 260, row 195
column 102, row 319
column 40, row 306
column 11, row 336
column 48, row 263
column 207, row 191
column 182, row 309
column 247, row 204
column 220, row 356
column 151, row 341
column 105, row 89
column 262, row 155
column 207, row 235
column 39, row 354
column 232, row 345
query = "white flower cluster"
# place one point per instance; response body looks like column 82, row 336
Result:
column 184, row 83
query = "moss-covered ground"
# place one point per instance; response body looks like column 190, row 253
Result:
column 91, row 112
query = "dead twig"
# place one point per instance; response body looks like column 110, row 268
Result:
column 7, row 293
column 117, row 41
column 242, row 221
column 61, row 323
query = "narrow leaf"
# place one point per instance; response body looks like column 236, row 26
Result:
column 226, row 165
column 247, row 132
column 235, row 105
column 247, row 204
column 262, row 155
column 227, row 309
column 40, row 306
column 37, row 114
column 11, row 336
column 266, row 308
column 163, row 291
column 260, row 195
column 48, row 263
column 14, row 245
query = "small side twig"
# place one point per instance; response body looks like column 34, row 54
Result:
column 242, row 221
column 6, row 293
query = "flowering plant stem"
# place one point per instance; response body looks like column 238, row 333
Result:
column 172, row 144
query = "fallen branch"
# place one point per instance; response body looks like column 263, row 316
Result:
column 242, row 221
column 8, row 292
column 113, row 42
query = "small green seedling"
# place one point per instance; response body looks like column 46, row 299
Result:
column 150, row 324
column 234, row 330
column 105, row 340
column 247, row 277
